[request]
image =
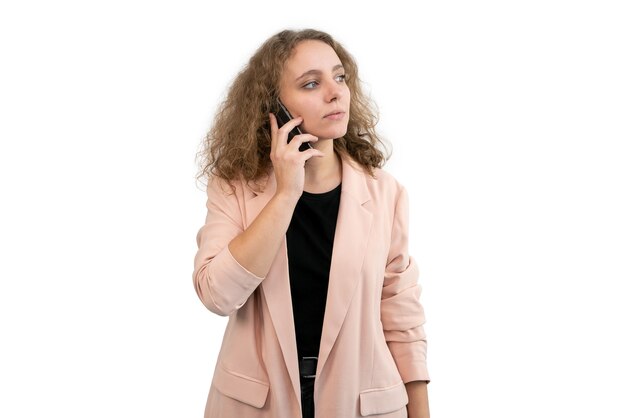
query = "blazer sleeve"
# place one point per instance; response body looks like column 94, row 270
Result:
column 222, row 284
column 402, row 314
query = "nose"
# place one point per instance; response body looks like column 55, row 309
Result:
column 334, row 92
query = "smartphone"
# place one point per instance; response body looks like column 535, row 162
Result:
column 283, row 116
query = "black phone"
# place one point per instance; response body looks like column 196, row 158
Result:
column 283, row 116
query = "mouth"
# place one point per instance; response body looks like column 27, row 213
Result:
column 336, row 113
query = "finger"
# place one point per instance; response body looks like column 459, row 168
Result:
column 292, row 123
column 300, row 139
column 273, row 130
column 284, row 130
column 310, row 153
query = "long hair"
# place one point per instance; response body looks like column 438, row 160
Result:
column 239, row 143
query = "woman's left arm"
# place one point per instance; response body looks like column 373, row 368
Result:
column 402, row 314
column 418, row 399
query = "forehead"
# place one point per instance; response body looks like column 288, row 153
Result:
column 310, row 55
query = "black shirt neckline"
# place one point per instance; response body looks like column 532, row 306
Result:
column 324, row 195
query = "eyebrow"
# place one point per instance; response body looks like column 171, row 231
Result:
column 336, row 67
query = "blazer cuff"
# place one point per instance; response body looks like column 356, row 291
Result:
column 410, row 360
column 231, row 283
column 237, row 268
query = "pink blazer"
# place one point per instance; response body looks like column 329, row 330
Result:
column 372, row 341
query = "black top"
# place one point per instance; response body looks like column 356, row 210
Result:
column 309, row 249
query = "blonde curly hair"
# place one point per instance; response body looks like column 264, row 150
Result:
column 239, row 143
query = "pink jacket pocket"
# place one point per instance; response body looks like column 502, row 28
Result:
column 383, row 400
column 241, row 387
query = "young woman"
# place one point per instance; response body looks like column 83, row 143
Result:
column 306, row 252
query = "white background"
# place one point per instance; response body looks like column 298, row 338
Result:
column 508, row 125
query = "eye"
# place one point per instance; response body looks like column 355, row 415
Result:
column 341, row 78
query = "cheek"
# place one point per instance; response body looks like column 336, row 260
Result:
column 311, row 112
column 309, row 107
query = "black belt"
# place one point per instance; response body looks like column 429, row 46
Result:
column 308, row 367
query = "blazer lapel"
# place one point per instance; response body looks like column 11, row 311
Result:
column 350, row 242
column 354, row 222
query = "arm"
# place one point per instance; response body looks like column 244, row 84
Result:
column 257, row 246
column 222, row 284
column 402, row 314
column 230, row 262
column 418, row 399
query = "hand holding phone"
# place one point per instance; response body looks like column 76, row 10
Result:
column 283, row 116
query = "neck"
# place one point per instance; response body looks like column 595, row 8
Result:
column 322, row 174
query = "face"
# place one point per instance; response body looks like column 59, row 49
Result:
column 313, row 85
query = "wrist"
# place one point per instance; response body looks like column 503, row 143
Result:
column 286, row 198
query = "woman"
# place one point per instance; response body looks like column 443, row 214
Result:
column 306, row 251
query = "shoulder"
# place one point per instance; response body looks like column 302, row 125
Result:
column 381, row 187
column 224, row 195
column 385, row 185
column 385, row 178
column 236, row 188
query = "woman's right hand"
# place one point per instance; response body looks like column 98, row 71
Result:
column 287, row 159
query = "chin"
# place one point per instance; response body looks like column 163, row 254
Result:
column 332, row 133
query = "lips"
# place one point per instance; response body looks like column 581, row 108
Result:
column 334, row 113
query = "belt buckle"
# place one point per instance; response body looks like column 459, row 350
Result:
column 309, row 376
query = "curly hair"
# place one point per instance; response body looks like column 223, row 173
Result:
column 239, row 143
